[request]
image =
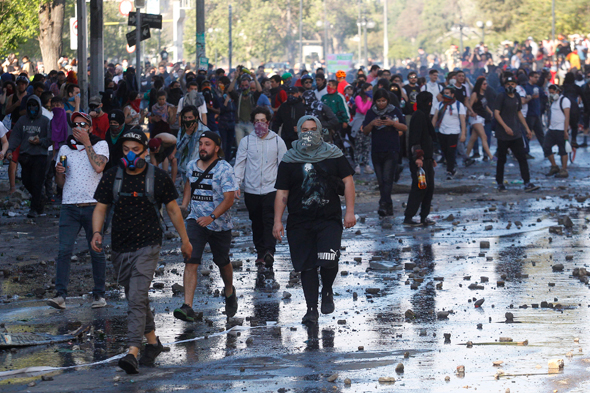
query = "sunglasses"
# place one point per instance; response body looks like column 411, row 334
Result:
column 306, row 82
column 92, row 107
column 81, row 124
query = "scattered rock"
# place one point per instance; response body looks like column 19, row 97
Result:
column 361, row 348
column 447, row 378
column 567, row 222
column 509, row 317
column 489, row 227
column 32, row 384
column 505, row 340
column 47, row 378
column 286, row 295
column 386, row 379
column 410, row 314
column 442, row 314
column 333, row 377
column 479, row 302
column 569, row 257
column 475, row 286
column 342, row 322
column 158, row 285
column 497, row 363
column 557, row 267
column 384, row 265
column 347, row 381
column 399, row 368
column 205, row 272
column 235, row 264
column 177, row 289
column 372, row 291
column 558, row 230
column 460, row 369
column 450, row 218
column 556, row 364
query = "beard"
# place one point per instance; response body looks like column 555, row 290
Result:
column 204, row 156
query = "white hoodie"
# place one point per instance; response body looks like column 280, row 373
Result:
column 257, row 162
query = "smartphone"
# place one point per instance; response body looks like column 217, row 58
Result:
column 383, row 118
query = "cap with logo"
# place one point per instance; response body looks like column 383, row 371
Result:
column 509, row 79
column 117, row 115
column 135, row 135
column 85, row 116
column 154, row 143
column 215, row 138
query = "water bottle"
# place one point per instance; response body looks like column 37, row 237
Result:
column 421, row 179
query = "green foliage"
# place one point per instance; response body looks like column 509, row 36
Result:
column 19, row 23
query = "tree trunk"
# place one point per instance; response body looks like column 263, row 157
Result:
column 51, row 24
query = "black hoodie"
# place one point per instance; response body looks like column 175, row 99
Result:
column 30, row 126
column 421, row 131
column 287, row 116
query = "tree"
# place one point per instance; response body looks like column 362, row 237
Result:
column 51, row 24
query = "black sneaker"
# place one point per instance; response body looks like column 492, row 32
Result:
column 269, row 259
column 530, row 187
column 529, row 157
column 150, row 353
column 502, row 188
column 129, row 364
column 185, row 313
column 328, row 302
column 231, row 303
column 311, row 317
column 475, row 155
column 427, row 222
column 382, row 212
column 411, row 223
column 469, row 162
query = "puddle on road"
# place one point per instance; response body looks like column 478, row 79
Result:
column 291, row 356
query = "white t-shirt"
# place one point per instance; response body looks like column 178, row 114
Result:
column 557, row 116
column 81, row 178
column 451, row 122
column 3, row 130
column 522, row 92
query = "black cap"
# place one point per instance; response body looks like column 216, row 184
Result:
column 509, row 79
column 215, row 138
column 117, row 115
column 292, row 90
column 136, row 135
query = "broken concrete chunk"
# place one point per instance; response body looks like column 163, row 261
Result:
column 558, row 267
column 386, row 379
column 484, row 244
column 556, row 364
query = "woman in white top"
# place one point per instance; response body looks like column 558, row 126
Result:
column 132, row 111
column 479, row 104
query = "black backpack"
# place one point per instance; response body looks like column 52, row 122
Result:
column 149, row 192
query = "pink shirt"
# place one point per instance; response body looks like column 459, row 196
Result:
column 361, row 106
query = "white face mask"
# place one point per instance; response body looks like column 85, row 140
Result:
column 555, row 96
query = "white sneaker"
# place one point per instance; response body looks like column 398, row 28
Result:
column 357, row 170
column 369, row 170
column 57, row 302
column 99, row 302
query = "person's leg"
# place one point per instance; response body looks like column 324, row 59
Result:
column 165, row 165
column 472, row 140
column 99, row 264
column 140, row 320
column 389, row 168
column 429, row 192
column 479, row 131
column 26, row 174
column 268, row 214
column 38, row 175
column 488, row 130
column 519, row 151
column 416, row 194
column 574, row 120
column 378, row 161
column 174, row 166
column 444, row 144
column 453, row 140
column 198, row 237
column 255, row 207
column 501, row 154
column 220, row 243
column 311, row 285
column 69, row 227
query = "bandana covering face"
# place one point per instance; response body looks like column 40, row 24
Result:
column 331, row 90
column 310, row 147
column 261, row 129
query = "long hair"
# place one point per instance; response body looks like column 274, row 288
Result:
column 478, row 84
column 381, row 93
column 362, row 91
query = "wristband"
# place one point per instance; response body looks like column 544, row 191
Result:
column 99, row 232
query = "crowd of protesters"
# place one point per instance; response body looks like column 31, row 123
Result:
column 289, row 140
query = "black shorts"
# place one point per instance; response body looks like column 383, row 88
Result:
column 220, row 243
column 552, row 138
column 315, row 244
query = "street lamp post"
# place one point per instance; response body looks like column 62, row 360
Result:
column 358, row 23
column 483, row 26
column 300, row 34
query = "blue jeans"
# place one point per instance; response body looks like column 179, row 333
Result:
column 385, row 164
column 71, row 220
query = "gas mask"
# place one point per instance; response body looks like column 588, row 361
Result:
column 133, row 161
column 510, row 89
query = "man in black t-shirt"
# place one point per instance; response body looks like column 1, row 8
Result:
column 412, row 90
column 508, row 114
column 137, row 239
column 310, row 177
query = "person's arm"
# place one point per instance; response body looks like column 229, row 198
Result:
column 232, row 85
column 349, row 196
column 258, row 87
column 172, row 114
column 228, row 201
column 176, row 217
column 376, row 122
column 278, row 231
column 98, row 216
column 500, row 121
column 13, row 105
column 167, row 139
column 240, row 165
column 435, row 117
column 566, row 123
column 4, row 141
column 186, row 195
column 463, row 137
column 529, row 134
column 97, row 161
column 15, row 139
column 127, row 113
column 472, row 100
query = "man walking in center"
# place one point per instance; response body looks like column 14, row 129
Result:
column 508, row 132
column 257, row 162
column 137, row 190
column 209, row 191
column 86, row 157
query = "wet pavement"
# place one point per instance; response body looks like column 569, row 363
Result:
column 399, row 293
